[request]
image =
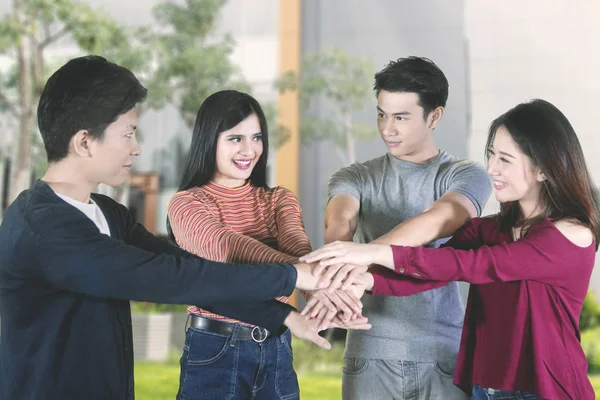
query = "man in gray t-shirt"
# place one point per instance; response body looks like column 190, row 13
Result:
column 414, row 195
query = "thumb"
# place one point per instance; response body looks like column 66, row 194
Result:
column 318, row 270
column 318, row 340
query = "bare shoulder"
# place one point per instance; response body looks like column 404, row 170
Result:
column 573, row 230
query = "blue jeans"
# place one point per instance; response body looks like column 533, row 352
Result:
column 480, row 393
column 227, row 368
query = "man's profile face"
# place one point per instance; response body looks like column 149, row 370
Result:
column 111, row 156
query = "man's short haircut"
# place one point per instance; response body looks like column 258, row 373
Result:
column 86, row 93
column 415, row 75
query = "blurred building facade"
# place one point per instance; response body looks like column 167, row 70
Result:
column 519, row 50
column 495, row 55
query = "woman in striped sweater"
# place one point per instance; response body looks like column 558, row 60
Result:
column 225, row 211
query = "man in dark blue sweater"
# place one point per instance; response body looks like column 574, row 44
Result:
column 71, row 260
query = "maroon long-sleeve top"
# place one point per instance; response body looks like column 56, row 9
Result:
column 521, row 328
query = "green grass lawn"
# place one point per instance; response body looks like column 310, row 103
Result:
column 595, row 379
column 160, row 382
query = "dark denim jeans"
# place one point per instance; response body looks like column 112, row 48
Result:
column 227, row 368
column 480, row 393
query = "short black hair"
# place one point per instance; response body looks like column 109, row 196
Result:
column 417, row 75
column 86, row 93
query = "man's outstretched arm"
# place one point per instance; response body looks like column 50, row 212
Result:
column 440, row 220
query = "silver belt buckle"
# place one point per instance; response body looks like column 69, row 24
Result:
column 259, row 334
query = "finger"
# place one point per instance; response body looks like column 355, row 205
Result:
column 352, row 278
column 338, row 321
column 324, row 302
column 320, row 307
column 331, row 271
column 360, row 319
column 318, row 270
column 360, row 327
column 326, row 319
column 325, row 280
column 334, row 259
column 340, row 276
column 311, row 305
column 340, row 304
column 318, row 340
column 313, row 253
column 319, row 317
column 326, row 305
column 326, row 251
column 350, row 300
column 361, row 324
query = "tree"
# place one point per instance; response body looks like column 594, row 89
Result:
column 177, row 60
column 26, row 35
column 343, row 84
column 191, row 65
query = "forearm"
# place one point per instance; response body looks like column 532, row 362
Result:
column 339, row 230
column 382, row 281
column 535, row 257
column 257, row 252
column 237, row 248
column 425, row 228
column 90, row 263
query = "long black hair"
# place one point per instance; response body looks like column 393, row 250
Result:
column 220, row 112
column 545, row 135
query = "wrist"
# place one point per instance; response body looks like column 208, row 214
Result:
column 305, row 279
column 385, row 256
column 368, row 281
column 291, row 318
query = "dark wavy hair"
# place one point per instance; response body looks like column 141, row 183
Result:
column 544, row 134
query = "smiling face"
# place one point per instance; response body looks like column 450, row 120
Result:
column 515, row 176
column 109, row 159
column 238, row 151
column 403, row 127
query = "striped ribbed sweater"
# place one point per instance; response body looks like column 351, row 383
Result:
column 246, row 224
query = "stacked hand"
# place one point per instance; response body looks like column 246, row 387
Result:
column 337, row 309
column 339, row 265
column 336, row 276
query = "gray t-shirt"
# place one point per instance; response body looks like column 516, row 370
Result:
column 426, row 326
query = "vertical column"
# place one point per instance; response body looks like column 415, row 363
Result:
column 287, row 156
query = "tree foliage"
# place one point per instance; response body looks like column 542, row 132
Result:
column 341, row 85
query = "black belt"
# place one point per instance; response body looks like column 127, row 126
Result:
column 255, row 333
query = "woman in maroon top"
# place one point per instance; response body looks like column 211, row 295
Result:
column 529, row 266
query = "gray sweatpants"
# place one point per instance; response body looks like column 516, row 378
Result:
column 368, row 379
